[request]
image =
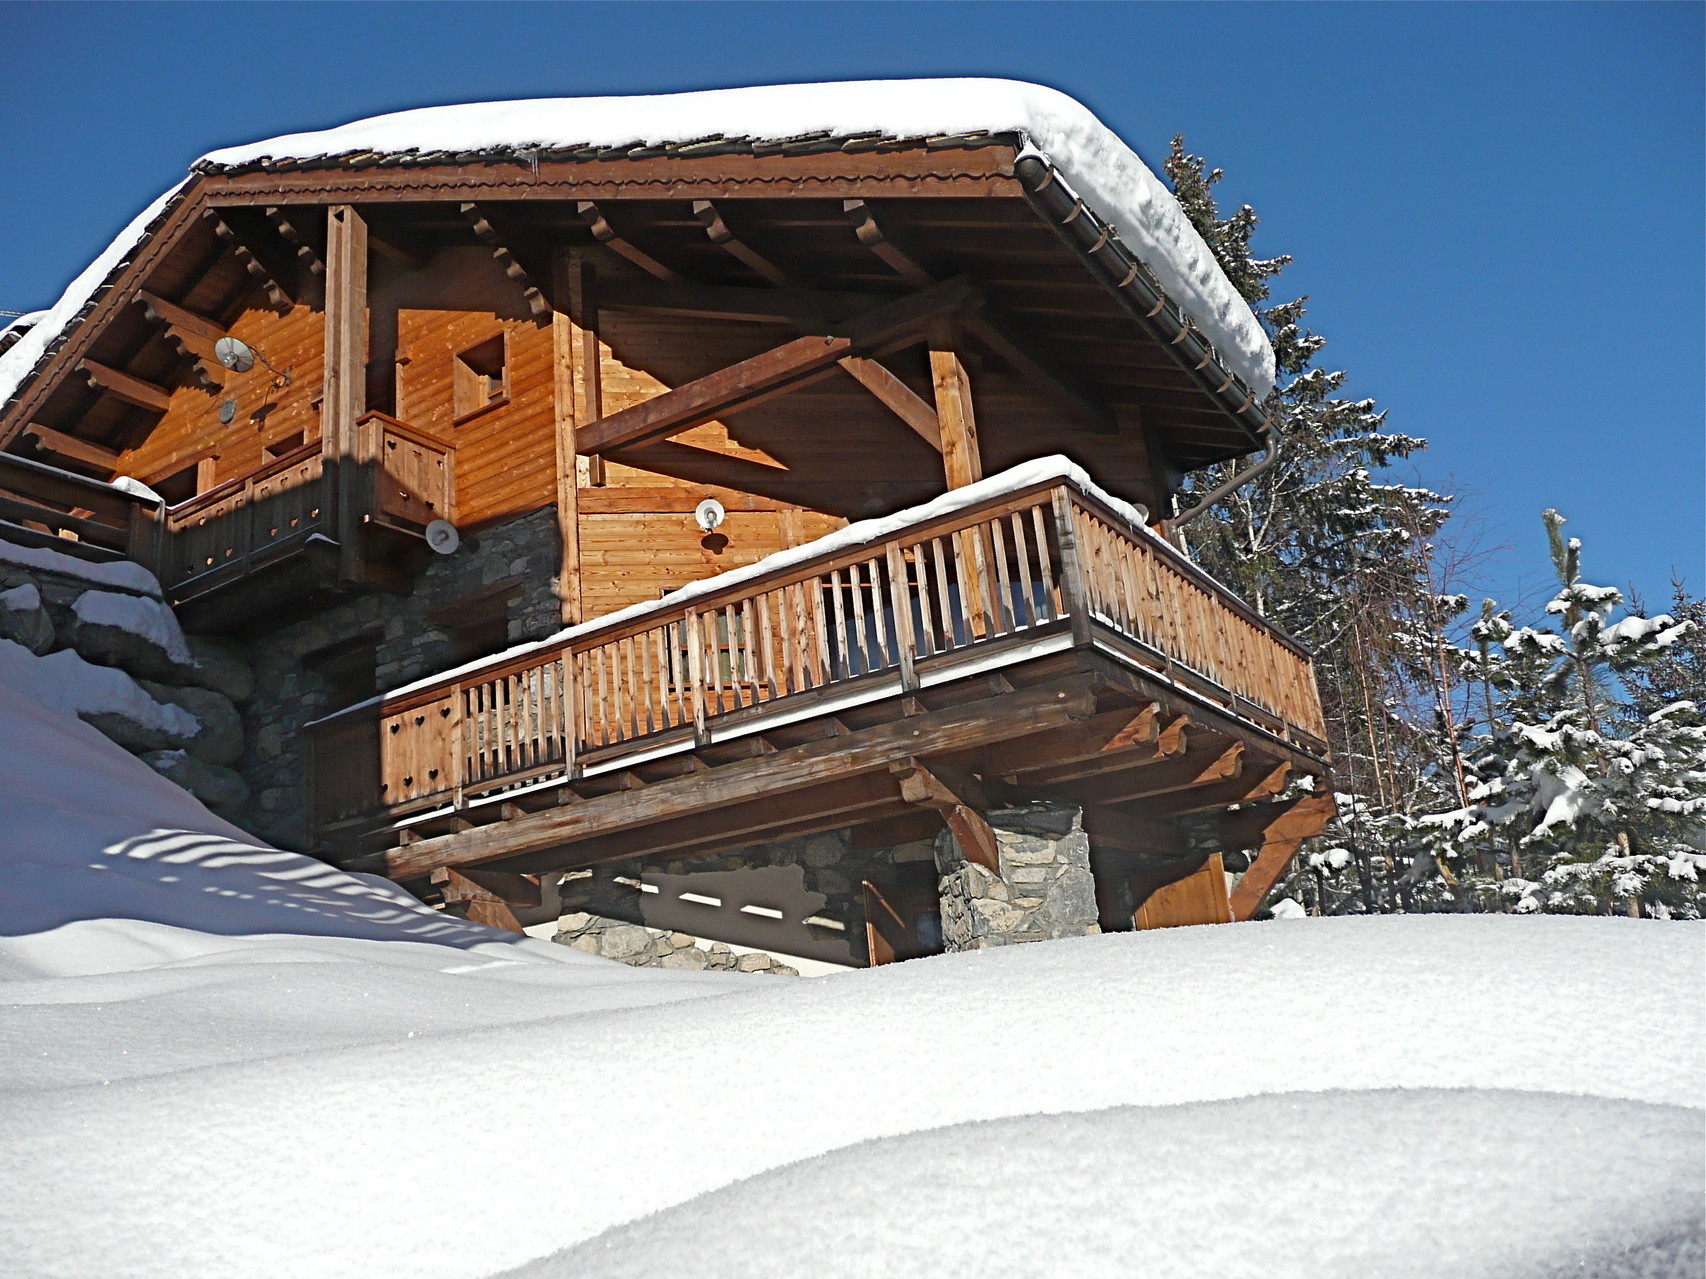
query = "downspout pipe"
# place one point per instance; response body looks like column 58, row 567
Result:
column 1232, row 485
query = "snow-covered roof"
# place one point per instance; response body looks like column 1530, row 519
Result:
column 1099, row 167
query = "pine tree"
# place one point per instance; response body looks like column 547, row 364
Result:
column 1585, row 794
column 1332, row 552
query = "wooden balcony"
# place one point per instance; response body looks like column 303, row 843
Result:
column 901, row 612
column 230, row 532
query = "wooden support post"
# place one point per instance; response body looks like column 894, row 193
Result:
column 565, row 352
column 958, row 799
column 961, row 458
column 1072, row 581
column 1197, row 898
column 345, row 395
column 486, row 897
column 1282, row 832
column 582, row 302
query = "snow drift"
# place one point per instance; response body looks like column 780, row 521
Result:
column 224, row 1059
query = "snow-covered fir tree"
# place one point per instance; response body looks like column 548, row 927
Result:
column 1586, row 791
column 1330, row 548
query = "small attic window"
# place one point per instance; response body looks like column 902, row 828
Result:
column 482, row 377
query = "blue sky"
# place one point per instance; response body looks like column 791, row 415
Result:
column 1496, row 209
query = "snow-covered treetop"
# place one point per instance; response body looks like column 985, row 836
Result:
column 1098, row 166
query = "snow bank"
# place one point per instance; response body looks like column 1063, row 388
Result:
column 64, row 681
column 120, row 573
column 1099, row 167
column 1551, row 1185
column 148, row 618
column 224, row 1059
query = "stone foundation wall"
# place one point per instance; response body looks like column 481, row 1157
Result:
column 645, row 947
column 1045, row 889
column 411, row 636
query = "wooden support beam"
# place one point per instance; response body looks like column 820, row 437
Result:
column 479, row 897
column 192, row 336
column 873, row 237
column 308, row 251
column 897, row 395
column 505, row 243
column 693, row 799
column 1281, row 834
column 1197, row 897
column 344, row 395
column 1079, row 402
column 959, row 799
column 279, row 295
column 599, row 224
column 1259, row 780
column 395, row 246
column 1211, row 760
column 807, row 309
column 1109, row 733
column 122, row 386
column 170, row 314
column 962, row 460
column 69, row 446
column 566, row 348
column 721, row 235
column 708, row 467
column 772, row 372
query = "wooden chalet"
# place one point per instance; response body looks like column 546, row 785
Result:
column 729, row 445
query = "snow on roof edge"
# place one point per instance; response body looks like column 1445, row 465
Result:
column 1095, row 161
column 20, row 360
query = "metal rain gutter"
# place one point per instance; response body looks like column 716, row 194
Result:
column 1098, row 245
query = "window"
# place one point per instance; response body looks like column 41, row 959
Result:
column 478, row 626
column 181, row 486
column 282, row 448
column 350, row 670
column 481, row 377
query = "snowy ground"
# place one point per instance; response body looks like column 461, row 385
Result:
column 219, row 1060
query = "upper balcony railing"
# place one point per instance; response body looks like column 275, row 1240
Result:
column 229, row 531
column 243, row 524
column 981, row 578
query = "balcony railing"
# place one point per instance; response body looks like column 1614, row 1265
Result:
column 936, row 594
column 233, row 529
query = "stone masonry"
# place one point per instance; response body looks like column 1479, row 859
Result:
column 645, row 947
column 514, row 563
column 1045, row 888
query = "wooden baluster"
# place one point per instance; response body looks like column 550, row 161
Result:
column 924, row 637
column 714, row 655
column 900, row 601
column 838, row 605
column 696, row 673
column 1022, row 557
column 767, row 646
column 802, row 624
column 1072, row 583
column 1003, row 579
column 820, row 631
column 945, row 595
column 861, row 641
column 879, row 620
column 1052, row 606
